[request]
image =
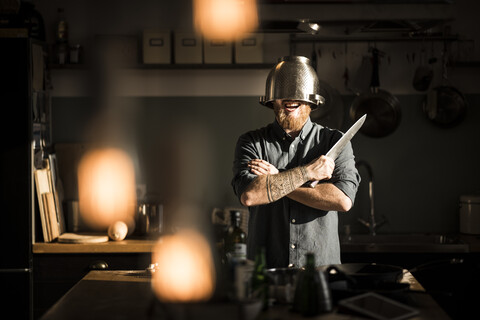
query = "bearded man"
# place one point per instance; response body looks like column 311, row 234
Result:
column 273, row 166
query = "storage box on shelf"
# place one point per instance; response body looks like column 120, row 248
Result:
column 156, row 46
column 217, row 51
column 249, row 49
column 188, row 48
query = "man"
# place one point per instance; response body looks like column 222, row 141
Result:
column 274, row 164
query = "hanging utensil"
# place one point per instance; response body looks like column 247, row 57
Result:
column 382, row 108
column 423, row 73
column 445, row 105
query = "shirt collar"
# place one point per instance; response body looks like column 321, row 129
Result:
column 281, row 134
column 306, row 129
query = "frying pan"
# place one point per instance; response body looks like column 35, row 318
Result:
column 370, row 275
column 350, row 279
column 382, row 108
column 364, row 275
column 445, row 106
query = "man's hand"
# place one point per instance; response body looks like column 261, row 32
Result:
column 320, row 168
column 261, row 167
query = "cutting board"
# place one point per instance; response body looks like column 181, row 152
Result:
column 82, row 238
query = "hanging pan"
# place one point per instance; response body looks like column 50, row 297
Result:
column 445, row 105
column 382, row 108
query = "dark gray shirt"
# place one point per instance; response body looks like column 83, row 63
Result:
column 286, row 228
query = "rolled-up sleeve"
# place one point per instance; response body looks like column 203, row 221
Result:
column 245, row 151
column 345, row 175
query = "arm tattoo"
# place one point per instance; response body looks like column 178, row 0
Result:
column 281, row 184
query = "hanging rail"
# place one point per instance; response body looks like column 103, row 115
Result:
column 298, row 39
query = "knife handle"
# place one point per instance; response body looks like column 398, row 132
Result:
column 313, row 184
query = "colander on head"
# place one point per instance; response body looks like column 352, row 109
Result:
column 293, row 78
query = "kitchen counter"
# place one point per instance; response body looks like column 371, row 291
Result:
column 452, row 243
column 127, row 295
column 124, row 246
column 410, row 243
column 433, row 243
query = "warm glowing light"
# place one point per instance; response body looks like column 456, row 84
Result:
column 106, row 187
column 185, row 270
column 226, row 20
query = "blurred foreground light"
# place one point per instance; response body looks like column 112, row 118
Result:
column 106, row 187
column 226, row 20
column 185, row 269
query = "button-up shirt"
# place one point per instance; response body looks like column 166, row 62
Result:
column 286, row 228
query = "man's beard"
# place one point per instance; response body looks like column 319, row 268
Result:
column 288, row 121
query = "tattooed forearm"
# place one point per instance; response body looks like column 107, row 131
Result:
column 269, row 194
column 281, row 184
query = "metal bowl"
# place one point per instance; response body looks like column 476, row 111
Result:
column 293, row 78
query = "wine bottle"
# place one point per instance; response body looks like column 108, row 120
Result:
column 236, row 244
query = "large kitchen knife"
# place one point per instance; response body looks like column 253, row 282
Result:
column 338, row 147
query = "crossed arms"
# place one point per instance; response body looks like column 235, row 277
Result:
column 271, row 185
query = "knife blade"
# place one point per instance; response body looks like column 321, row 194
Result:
column 342, row 142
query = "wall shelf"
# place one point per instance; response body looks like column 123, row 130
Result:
column 171, row 66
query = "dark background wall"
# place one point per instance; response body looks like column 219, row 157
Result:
column 184, row 146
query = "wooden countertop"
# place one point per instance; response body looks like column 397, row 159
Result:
column 472, row 244
column 128, row 295
column 124, row 246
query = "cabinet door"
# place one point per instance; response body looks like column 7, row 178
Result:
column 55, row 274
column 16, row 299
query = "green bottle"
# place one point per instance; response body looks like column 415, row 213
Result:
column 259, row 283
column 312, row 294
column 236, row 242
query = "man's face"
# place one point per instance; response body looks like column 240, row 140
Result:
column 291, row 114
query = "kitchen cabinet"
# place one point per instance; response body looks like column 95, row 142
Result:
column 57, row 267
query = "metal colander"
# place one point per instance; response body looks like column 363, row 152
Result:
column 293, row 78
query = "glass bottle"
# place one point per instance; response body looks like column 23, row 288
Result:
column 259, row 283
column 312, row 294
column 62, row 27
column 61, row 38
column 236, row 243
